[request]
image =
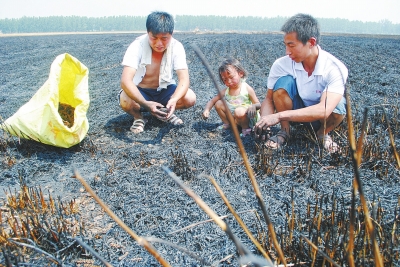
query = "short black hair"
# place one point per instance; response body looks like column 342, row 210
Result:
column 160, row 22
column 304, row 25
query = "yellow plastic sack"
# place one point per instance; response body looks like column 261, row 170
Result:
column 56, row 114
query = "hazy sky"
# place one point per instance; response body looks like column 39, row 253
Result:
column 363, row 10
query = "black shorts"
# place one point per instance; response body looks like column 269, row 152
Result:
column 162, row 96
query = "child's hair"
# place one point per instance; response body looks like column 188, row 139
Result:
column 235, row 64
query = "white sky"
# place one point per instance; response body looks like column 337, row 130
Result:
column 363, row 10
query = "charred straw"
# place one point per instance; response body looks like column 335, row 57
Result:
column 242, row 250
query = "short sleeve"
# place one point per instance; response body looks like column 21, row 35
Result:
column 179, row 57
column 281, row 67
column 132, row 55
column 337, row 77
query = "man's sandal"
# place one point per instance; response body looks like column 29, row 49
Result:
column 138, row 126
column 277, row 141
column 329, row 144
column 174, row 120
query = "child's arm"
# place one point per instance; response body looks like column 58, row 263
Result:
column 251, row 111
column 209, row 106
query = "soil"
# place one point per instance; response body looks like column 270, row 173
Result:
column 125, row 169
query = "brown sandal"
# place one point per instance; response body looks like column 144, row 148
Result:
column 173, row 119
column 279, row 140
column 138, row 126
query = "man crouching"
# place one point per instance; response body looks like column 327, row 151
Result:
column 146, row 80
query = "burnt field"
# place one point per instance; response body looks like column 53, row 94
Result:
column 305, row 190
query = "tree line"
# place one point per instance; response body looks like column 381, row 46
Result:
column 186, row 23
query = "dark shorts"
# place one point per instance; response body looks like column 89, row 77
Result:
column 288, row 83
column 162, row 96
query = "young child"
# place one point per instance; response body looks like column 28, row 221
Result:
column 239, row 96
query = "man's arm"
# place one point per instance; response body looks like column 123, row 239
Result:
column 267, row 106
column 320, row 111
column 133, row 93
column 129, row 87
column 180, row 91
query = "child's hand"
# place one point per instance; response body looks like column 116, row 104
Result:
column 206, row 114
column 251, row 111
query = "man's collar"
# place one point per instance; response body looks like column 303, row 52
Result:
column 318, row 70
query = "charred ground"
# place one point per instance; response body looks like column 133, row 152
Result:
column 125, row 169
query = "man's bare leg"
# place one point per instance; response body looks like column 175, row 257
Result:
column 187, row 101
column 132, row 108
column 282, row 102
column 331, row 123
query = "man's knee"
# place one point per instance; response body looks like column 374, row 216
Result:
column 189, row 100
column 333, row 120
column 282, row 100
column 287, row 83
column 127, row 104
column 336, row 118
column 279, row 94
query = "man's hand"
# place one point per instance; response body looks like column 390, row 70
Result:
column 171, row 106
column 261, row 129
column 154, row 109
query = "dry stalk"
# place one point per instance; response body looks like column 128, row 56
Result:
column 238, row 219
column 396, row 155
column 51, row 257
column 244, row 156
column 242, row 250
column 42, row 227
column 361, row 138
column 350, row 247
column 143, row 242
column 184, row 250
column 93, row 252
column 315, row 248
column 291, row 220
column 208, row 210
column 202, row 222
column 261, row 234
column 358, row 185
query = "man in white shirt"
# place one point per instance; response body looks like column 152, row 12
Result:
column 146, row 80
column 306, row 85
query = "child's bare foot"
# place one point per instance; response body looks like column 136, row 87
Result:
column 245, row 132
column 224, row 126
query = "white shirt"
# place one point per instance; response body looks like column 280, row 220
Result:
column 138, row 55
column 329, row 74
